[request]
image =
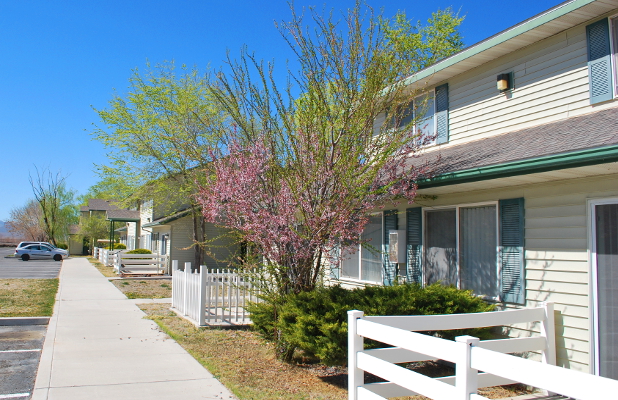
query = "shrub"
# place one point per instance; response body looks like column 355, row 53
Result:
column 120, row 246
column 62, row 246
column 139, row 251
column 316, row 321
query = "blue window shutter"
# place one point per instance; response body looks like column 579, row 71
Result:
column 442, row 113
column 512, row 280
column 390, row 269
column 414, row 245
column 599, row 61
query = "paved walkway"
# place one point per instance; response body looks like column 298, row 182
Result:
column 98, row 346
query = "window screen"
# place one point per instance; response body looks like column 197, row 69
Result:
column 441, row 247
column 371, row 253
column 607, row 288
column 478, row 250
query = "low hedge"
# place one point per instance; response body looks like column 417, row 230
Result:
column 139, row 251
column 316, row 321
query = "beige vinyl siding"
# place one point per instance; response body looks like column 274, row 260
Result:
column 551, row 83
column 222, row 246
column 181, row 237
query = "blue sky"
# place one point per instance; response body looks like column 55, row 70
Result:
column 62, row 58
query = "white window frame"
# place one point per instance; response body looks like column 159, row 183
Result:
column 435, row 120
column 594, row 294
column 613, row 48
column 457, row 208
column 431, row 92
column 360, row 259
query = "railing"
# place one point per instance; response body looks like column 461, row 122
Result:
column 216, row 297
column 469, row 354
column 140, row 264
column 105, row 257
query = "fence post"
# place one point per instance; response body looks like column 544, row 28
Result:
column 548, row 330
column 174, row 291
column 466, row 378
column 202, row 303
column 186, row 294
column 355, row 345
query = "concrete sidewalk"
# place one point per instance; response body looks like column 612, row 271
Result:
column 98, row 346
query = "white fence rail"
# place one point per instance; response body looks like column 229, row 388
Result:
column 127, row 264
column 140, row 264
column 215, row 297
column 469, row 354
column 105, row 257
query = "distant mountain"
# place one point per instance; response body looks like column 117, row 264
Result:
column 4, row 230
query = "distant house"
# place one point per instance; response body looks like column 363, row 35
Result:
column 171, row 233
column 523, row 205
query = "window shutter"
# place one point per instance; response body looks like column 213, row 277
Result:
column 414, row 243
column 442, row 113
column 390, row 269
column 512, row 283
column 599, row 61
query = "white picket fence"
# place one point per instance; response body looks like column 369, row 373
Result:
column 468, row 353
column 105, row 257
column 216, row 297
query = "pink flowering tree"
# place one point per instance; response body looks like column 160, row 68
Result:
column 301, row 168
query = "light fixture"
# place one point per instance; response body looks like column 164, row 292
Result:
column 504, row 82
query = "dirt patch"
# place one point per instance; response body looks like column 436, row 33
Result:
column 27, row 297
column 246, row 364
column 145, row 288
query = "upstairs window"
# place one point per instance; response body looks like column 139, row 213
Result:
column 430, row 112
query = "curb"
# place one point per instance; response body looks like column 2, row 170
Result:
column 15, row 321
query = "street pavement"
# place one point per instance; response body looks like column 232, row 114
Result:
column 15, row 268
column 99, row 346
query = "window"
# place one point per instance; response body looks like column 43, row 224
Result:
column 366, row 262
column 423, row 110
column 432, row 109
column 461, row 248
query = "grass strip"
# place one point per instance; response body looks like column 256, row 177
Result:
column 27, row 297
column 103, row 269
column 145, row 289
column 244, row 362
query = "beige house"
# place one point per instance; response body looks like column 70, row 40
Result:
column 171, row 233
column 523, row 204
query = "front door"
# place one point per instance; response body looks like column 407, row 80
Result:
column 605, row 264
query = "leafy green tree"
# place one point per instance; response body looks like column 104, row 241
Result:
column 94, row 227
column 422, row 45
column 158, row 134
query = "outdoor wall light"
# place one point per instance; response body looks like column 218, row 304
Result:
column 505, row 81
